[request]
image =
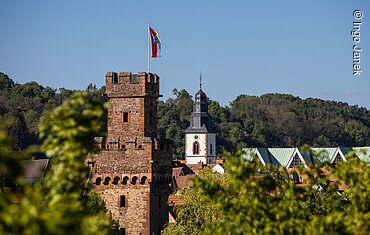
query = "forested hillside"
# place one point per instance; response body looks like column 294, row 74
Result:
column 271, row 120
column 22, row 105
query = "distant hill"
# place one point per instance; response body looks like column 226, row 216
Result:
column 271, row 120
column 22, row 106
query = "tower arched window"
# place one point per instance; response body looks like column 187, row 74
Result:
column 195, row 147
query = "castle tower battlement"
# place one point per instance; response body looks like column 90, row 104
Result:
column 127, row 84
column 133, row 170
column 133, row 99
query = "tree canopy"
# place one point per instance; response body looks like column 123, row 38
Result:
column 254, row 199
column 58, row 204
column 194, row 212
column 24, row 104
column 271, row 120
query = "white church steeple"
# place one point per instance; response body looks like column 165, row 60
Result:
column 200, row 137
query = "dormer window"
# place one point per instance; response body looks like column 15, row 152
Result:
column 337, row 159
column 295, row 162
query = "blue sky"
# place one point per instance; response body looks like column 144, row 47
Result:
column 302, row 48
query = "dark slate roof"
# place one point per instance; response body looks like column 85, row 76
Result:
column 200, row 120
column 34, row 168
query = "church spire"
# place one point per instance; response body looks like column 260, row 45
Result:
column 200, row 120
column 200, row 136
column 200, row 80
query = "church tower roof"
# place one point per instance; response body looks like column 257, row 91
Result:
column 200, row 120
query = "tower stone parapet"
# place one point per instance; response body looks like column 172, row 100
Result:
column 132, row 172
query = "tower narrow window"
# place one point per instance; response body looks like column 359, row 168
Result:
column 122, row 202
column 196, row 148
column 103, row 143
column 210, row 149
column 114, row 79
column 124, row 117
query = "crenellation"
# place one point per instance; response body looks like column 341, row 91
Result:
column 134, row 165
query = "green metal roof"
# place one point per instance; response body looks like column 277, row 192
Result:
column 360, row 153
column 324, row 152
column 267, row 157
column 264, row 154
column 282, row 155
column 307, row 157
column 345, row 150
column 247, row 153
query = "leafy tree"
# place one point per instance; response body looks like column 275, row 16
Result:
column 273, row 204
column 194, row 213
column 173, row 119
column 29, row 89
column 271, row 120
column 6, row 83
column 95, row 206
column 17, row 129
column 47, row 94
column 57, row 205
column 358, row 133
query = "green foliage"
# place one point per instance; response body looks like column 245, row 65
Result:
column 10, row 167
column 270, row 203
column 57, row 205
column 95, row 206
column 173, row 119
column 278, row 120
column 24, row 104
column 271, row 120
column 194, row 212
column 358, row 133
column 6, row 82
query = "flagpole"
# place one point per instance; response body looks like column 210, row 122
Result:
column 148, row 47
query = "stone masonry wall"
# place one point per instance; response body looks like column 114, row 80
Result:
column 133, row 171
column 135, row 215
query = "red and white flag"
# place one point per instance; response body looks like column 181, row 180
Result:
column 156, row 43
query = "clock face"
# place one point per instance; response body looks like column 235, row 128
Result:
column 196, row 137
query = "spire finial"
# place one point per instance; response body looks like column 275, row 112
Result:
column 200, row 80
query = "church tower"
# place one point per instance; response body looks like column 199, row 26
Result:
column 200, row 137
column 132, row 172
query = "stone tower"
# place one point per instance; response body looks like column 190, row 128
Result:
column 200, row 137
column 132, row 172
